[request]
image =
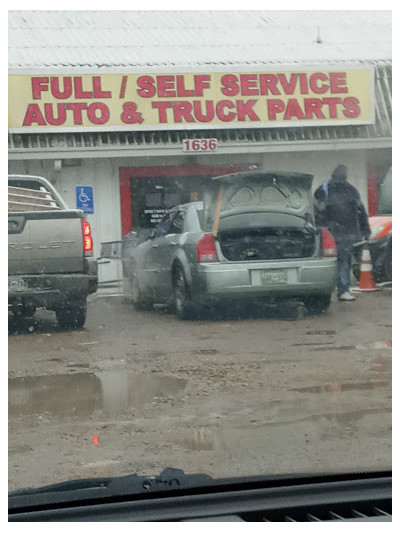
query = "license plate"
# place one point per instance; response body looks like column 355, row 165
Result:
column 273, row 277
column 17, row 285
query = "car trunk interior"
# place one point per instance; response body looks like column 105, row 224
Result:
column 266, row 236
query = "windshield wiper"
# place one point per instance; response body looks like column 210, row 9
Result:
column 170, row 481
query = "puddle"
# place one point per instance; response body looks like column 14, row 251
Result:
column 111, row 391
column 344, row 387
column 293, row 436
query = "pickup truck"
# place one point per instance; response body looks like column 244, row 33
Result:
column 50, row 253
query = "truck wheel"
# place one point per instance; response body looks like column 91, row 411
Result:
column 318, row 304
column 139, row 302
column 182, row 302
column 72, row 316
column 27, row 312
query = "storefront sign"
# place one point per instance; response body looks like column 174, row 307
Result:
column 113, row 102
column 200, row 145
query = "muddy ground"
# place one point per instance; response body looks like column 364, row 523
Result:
column 255, row 392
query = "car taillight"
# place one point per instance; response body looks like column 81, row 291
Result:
column 328, row 244
column 87, row 237
column 206, row 252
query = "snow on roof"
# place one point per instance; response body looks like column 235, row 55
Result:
column 178, row 39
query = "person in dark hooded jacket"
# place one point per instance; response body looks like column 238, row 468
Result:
column 338, row 207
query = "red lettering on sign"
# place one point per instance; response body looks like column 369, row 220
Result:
column 49, row 114
column 288, row 87
column 39, row 85
column 293, row 110
column 55, row 88
column 162, row 110
column 230, row 85
column 248, row 84
column 104, row 113
column 79, row 92
column 318, row 89
column 246, row 109
column 332, row 103
column 338, row 82
column 147, row 88
column 198, row 113
column 182, row 111
column 77, row 110
column 313, row 107
column 201, row 82
column 181, row 90
column 303, row 83
column 274, row 107
column 352, row 107
column 165, row 86
column 268, row 83
column 33, row 114
column 228, row 117
column 97, row 91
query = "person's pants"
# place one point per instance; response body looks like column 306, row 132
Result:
column 344, row 257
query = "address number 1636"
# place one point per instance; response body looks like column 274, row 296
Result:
column 200, row 145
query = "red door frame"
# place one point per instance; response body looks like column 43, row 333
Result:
column 126, row 173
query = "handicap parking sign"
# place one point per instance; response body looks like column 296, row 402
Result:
column 84, row 199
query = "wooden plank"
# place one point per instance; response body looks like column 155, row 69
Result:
column 30, row 192
column 14, row 207
column 30, row 199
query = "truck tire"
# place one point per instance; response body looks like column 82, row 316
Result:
column 26, row 312
column 72, row 316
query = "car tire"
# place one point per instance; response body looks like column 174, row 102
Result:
column 387, row 265
column 183, row 305
column 73, row 315
column 318, row 304
column 139, row 302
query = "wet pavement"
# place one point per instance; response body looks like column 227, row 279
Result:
column 252, row 391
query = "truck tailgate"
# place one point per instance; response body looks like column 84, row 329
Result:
column 45, row 242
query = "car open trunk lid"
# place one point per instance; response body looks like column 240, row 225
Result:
column 262, row 215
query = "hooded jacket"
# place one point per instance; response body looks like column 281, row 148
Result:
column 338, row 207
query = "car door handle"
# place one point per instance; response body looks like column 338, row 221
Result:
column 154, row 245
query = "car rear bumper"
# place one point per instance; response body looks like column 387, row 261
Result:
column 314, row 276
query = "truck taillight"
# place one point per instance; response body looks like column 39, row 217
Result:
column 206, row 251
column 328, row 244
column 87, row 237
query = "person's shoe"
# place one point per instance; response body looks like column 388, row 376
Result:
column 346, row 297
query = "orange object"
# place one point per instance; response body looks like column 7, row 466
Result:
column 367, row 281
column 95, row 440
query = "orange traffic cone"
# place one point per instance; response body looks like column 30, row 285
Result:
column 367, row 281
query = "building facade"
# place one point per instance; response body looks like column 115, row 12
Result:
column 127, row 141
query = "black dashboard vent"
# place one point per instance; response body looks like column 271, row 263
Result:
column 378, row 511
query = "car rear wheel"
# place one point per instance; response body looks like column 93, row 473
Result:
column 182, row 301
column 388, row 264
column 139, row 302
column 318, row 304
column 72, row 315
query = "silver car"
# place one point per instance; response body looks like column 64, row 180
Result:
column 253, row 237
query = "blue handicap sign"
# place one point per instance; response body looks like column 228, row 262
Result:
column 84, row 199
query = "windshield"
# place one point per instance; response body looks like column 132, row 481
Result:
column 210, row 293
